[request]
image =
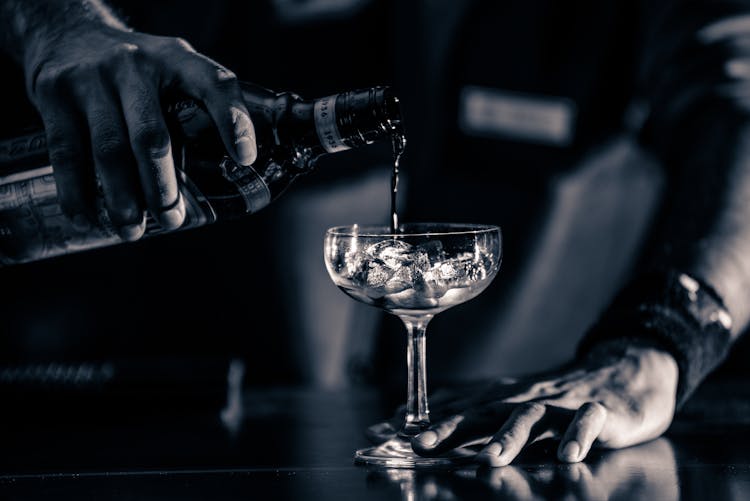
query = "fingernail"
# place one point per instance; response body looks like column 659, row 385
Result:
column 173, row 218
column 494, row 449
column 246, row 150
column 81, row 223
column 571, row 451
column 132, row 232
column 427, row 439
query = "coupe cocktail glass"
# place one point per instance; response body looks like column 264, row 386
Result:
column 415, row 273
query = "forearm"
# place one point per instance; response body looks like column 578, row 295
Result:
column 700, row 128
column 22, row 22
column 691, row 296
column 704, row 231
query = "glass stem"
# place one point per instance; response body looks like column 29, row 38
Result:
column 417, row 412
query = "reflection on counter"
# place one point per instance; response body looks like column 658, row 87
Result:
column 648, row 471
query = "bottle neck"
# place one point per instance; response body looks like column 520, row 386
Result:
column 304, row 129
column 356, row 118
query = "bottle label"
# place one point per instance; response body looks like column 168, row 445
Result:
column 325, row 125
column 15, row 151
column 33, row 226
column 250, row 185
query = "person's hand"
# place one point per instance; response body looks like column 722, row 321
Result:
column 614, row 399
column 99, row 91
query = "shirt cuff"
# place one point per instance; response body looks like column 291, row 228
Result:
column 672, row 311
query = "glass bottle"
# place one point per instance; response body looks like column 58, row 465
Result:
column 291, row 135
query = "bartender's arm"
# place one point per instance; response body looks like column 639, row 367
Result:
column 677, row 319
column 98, row 86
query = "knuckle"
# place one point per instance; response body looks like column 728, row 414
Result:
column 448, row 426
column 532, row 408
column 51, row 79
column 127, row 48
column 107, row 138
column 57, row 132
column 183, row 44
column 636, row 409
column 123, row 53
column 151, row 136
column 225, row 77
column 592, row 409
column 539, row 388
column 45, row 85
column 224, row 81
column 510, row 435
column 108, row 145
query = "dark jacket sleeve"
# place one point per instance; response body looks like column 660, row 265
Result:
column 691, row 296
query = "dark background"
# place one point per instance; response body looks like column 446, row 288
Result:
column 212, row 293
column 172, row 311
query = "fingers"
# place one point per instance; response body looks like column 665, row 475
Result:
column 220, row 92
column 582, row 432
column 474, row 426
column 105, row 141
column 533, row 420
column 522, row 424
column 115, row 165
column 151, row 146
column 447, row 434
column 471, row 427
column 513, row 436
column 67, row 140
column 121, row 125
column 443, row 404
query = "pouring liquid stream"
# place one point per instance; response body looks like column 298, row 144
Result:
column 398, row 142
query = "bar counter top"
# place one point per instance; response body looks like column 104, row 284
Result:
column 292, row 443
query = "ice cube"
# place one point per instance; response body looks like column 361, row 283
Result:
column 391, row 252
column 397, row 254
column 418, row 261
column 401, row 280
column 353, row 264
column 433, row 249
column 356, row 271
column 462, row 271
column 377, row 275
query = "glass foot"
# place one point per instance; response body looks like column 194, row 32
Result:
column 397, row 453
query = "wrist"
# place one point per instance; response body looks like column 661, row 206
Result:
column 620, row 347
column 674, row 313
column 643, row 366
